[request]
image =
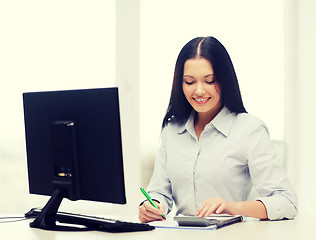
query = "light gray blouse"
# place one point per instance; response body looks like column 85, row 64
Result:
column 233, row 154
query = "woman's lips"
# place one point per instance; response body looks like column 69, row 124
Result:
column 201, row 100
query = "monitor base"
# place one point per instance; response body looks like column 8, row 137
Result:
column 47, row 218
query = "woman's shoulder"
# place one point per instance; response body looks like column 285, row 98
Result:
column 249, row 121
column 174, row 126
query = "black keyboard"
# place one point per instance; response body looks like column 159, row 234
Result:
column 95, row 223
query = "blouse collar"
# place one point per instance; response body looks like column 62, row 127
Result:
column 222, row 122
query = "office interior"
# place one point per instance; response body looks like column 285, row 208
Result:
column 133, row 44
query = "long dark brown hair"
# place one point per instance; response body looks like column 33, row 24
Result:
column 211, row 49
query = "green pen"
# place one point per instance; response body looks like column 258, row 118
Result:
column 151, row 201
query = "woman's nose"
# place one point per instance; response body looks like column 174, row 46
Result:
column 199, row 89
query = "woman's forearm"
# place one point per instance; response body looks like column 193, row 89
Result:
column 254, row 209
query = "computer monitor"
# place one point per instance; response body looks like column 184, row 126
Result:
column 74, row 149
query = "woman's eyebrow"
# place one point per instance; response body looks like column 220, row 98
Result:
column 188, row 76
column 212, row 74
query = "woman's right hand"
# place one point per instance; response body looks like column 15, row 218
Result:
column 148, row 213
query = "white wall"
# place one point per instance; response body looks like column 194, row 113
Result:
column 305, row 107
column 46, row 45
column 127, row 51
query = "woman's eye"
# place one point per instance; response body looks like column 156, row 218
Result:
column 210, row 82
column 189, row 83
column 210, row 79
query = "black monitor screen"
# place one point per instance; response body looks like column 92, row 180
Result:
column 74, row 137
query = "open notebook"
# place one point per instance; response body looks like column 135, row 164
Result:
column 213, row 222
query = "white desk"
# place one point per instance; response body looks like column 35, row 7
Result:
column 300, row 228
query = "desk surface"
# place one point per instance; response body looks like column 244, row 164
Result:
column 299, row 228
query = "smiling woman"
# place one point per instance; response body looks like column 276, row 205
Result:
column 208, row 137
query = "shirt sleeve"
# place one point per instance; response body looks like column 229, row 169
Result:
column 159, row 187
column 268, row 177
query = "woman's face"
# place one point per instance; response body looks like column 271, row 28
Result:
column 200, row 88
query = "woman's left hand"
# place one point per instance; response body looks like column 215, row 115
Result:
column 217, row 206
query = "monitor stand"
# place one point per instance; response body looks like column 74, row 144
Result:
column 48, row 217
column 65, row 179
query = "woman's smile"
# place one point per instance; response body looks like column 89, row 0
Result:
column 201, row 100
